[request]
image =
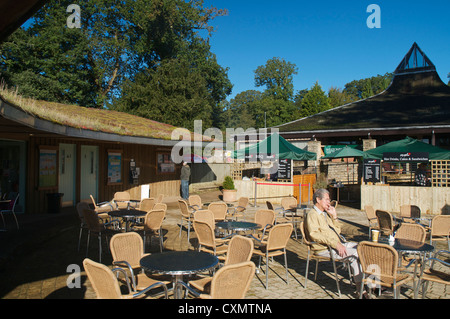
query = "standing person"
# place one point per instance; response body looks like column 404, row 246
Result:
column 185, row 174
column 421, row 178
column 322, row 227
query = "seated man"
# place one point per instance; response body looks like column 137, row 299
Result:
column 323, row 228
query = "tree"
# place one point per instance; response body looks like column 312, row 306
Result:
column 277, row 76
column 364, row 88
column 315, row 101
column 338, row 97
column 117, row 41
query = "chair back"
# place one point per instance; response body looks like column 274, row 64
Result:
column 242, row 203
column 279, row 236
column 385, row 221
column 159, row 206
column 154, row 219
column 440, row 225
column 147, row 204
column 184, row 208
column 103, row 280
column 121, row 199
column 378, row 259
column 195, row 202
column 289, row 203
column 370, row 212
column 304, row 233
column 81, row 206
column 219, row 209
column 240, row 249
column 264, row 217
column 127, row 247
column 205, row 215
column 232, row 281
column 93, row 201
column 270, row 205
column 409, row 211
column 159, row 198
column 411, row 232
column 92, row 220
column 205, row 233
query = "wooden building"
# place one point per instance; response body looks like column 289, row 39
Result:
column 50, row 148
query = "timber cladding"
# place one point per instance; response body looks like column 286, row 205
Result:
column 144, row 156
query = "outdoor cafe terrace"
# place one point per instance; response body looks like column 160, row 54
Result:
column 35, row 263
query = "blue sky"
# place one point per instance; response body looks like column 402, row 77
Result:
column 329, row 41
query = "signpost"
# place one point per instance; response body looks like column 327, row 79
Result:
column 372, row 170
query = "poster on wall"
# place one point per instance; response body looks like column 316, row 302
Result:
column 48, row 174
column 114, row 167
column 164, row 164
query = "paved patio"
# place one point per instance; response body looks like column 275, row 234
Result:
column 34, row 260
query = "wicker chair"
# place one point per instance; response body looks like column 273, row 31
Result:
column 229, row 282
column 103, row 207
column 122, row 199
column 275, row 245
column 265, row 218
column 152, row 225
column 409, row 213
column 195, row 202
column 433, row 274
column 205, row 215
column 440, row 229
column 312, row 256
column 127, row 249
column 238, row 211
column 219, row 210
column 11, row 210
column 240, row 249
column 81, row 206
column 371, row 218
column 160, row 206
column 106, row 285
column 97, row 228
column 208, row 242
column 385, row 222
column 379, row 265
column 411, row 232
column 147, row 204
column 186, row 215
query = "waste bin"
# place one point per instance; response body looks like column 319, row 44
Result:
column 54, row 202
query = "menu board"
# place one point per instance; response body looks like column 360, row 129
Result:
column 284, row 168
column 372, row 170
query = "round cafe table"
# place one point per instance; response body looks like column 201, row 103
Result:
column 179, row 263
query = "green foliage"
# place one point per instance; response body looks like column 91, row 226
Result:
column 120, row 43
column 315, row 101
column 364, row 88
column 228, row 183
column 277, row 76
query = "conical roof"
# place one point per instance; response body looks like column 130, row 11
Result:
column 415, row 61
column 416, row 98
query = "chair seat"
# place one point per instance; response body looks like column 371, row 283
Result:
column 436, row 276
column 387, row 281
column 143, row 281
column 201, row 283
column 261, row 251
column 220, row 250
